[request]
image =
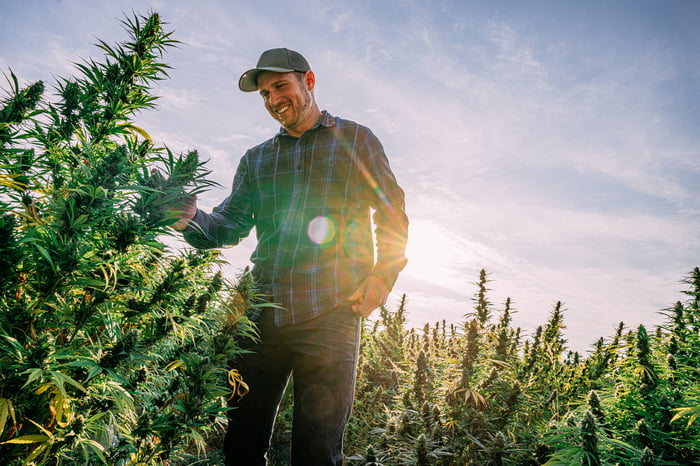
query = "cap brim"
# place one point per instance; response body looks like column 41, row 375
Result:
column 249, row 80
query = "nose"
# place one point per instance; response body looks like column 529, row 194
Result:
column 273, row 98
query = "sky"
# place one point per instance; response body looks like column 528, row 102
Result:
column 553, row 144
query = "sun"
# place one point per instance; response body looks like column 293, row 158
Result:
column 433, row 252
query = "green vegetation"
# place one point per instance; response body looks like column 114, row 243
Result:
column 114, row 350
column 479, row 394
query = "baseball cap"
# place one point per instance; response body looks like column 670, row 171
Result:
column 278, row 60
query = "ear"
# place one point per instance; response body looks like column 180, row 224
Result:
column 310, row 80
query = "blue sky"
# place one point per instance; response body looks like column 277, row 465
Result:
column 554, row 144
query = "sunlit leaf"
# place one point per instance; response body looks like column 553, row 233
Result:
column 28, row 439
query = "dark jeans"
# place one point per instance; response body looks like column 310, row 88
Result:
column 322, row 356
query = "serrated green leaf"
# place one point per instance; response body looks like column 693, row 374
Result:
column 28, row 439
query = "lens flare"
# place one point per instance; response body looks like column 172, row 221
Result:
column 321, row 230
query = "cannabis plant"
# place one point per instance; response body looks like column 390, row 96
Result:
column 113, row 350
column 480, row 395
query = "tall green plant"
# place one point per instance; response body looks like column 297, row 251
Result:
column 112, row 349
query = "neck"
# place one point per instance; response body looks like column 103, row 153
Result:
column 307, row 124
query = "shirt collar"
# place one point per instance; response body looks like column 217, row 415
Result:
column 325, row 120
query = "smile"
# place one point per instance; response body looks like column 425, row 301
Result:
column 282, row 110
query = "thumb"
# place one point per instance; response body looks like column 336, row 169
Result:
column 358, row 295
column 190, row 199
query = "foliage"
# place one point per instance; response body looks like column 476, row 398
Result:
column 480, row 395
column 112, row 349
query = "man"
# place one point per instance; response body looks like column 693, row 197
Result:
column 308, row 191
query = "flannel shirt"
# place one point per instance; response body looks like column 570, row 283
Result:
column 310, row 200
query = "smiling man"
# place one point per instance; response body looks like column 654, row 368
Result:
column 296, row 111
column 309, row 192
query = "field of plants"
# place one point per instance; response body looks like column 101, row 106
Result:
column 116, row 350
column 479, row 394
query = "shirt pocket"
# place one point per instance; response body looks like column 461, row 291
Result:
column 335, row 181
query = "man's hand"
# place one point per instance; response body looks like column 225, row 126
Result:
column 371, row 294
column 185, row 212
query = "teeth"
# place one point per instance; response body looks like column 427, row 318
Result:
column 282, row 110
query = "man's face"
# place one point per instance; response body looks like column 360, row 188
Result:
column 289, row 100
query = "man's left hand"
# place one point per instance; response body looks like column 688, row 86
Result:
column 371, row 294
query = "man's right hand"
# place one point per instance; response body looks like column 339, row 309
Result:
column 185, row 212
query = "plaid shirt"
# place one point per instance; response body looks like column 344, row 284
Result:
column 309, row 199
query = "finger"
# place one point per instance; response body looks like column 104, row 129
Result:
column 358, row 307
column 366, row 311
column 366, row 307
column 357, row 296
